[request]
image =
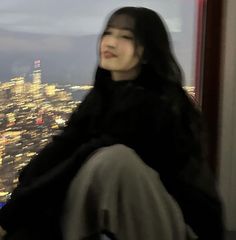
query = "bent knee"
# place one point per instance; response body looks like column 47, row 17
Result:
column 116, row 157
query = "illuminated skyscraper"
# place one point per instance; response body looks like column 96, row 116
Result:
column 37, row 72
column 36, row 86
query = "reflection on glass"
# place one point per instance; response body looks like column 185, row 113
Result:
column 47, row 61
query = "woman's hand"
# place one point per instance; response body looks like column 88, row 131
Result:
column 2, row 233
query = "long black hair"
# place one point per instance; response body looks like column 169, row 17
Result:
column 160, row 70
column 150, row 32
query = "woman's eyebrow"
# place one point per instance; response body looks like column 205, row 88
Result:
column 121, row 28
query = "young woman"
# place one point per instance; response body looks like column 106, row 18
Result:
column 130, row 162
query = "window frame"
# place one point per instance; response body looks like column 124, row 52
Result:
column 211, row 78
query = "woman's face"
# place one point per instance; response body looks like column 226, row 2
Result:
column 119, row 54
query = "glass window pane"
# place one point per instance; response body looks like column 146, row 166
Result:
column 48, row 54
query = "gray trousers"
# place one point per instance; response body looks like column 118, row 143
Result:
column 116, row 192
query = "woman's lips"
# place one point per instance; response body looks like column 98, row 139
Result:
column 108, row 54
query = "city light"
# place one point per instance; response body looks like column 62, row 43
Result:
column 31, row 112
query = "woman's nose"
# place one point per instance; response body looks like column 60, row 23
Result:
column 112, row 42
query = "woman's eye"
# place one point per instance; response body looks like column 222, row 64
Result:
column 127, row 37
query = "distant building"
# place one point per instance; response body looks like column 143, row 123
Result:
column 37, row 75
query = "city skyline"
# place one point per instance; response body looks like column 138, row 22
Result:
column 31, row 112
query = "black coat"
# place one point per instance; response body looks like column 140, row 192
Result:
column 161, row 125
